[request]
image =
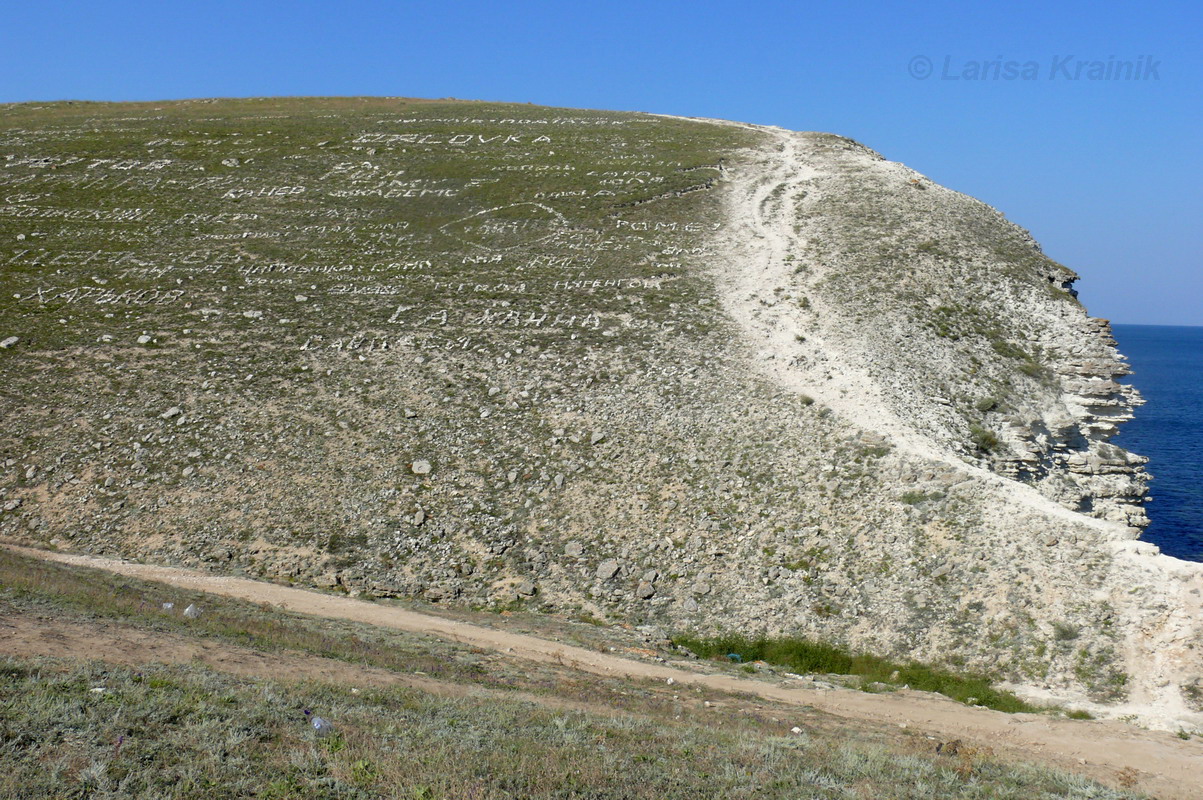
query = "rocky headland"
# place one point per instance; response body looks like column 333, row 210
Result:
column 689, row 374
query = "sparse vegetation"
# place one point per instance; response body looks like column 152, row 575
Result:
column 34, row 586
column 75, row 729
column 184, row 732
column 914, row 498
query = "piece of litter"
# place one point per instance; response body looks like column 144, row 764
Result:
column 168, row 606
column 320, row 725
column 192, row 612
column 795, row 729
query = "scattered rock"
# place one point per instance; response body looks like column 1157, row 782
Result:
column 607, row 569
column 574, row 549
column 596, row 437
column 422, row 467
column 171, row 413
column 527, row 589
column 9, row 342
column 645, row 590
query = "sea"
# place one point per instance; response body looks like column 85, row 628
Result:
column 1167, row 368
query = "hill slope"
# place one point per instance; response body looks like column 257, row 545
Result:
column 700, row 374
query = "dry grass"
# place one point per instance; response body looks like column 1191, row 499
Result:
column 184, row 732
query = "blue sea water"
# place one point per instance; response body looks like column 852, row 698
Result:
column 1167, row 365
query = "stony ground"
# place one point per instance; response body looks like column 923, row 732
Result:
column 703, row 376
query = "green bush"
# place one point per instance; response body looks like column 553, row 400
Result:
column 986, row 404
column 914, row 498
column 982, row 438
column 1064, row 632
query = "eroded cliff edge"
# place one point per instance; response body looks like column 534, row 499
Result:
column 964, row 333
column 667, row 371
column 924, row 316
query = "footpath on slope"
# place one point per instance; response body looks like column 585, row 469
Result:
column 794, row 354
column 796, row 349
column 1160, row 763
column 807, row 351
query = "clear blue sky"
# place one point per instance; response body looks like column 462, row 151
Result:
column 1106, row 174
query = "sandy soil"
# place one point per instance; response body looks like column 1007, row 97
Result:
column 1155, row 762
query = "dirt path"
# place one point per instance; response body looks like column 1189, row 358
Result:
column 804, row 350
column 135, row 647
column 795, row 347
column 1160, row 763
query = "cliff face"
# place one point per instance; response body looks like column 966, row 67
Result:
column 973, row 337
column 680, row 372
column 926, row 317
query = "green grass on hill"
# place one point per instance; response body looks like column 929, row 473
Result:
column 804, row 656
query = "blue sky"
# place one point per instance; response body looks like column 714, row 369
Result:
column 1105, row 173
